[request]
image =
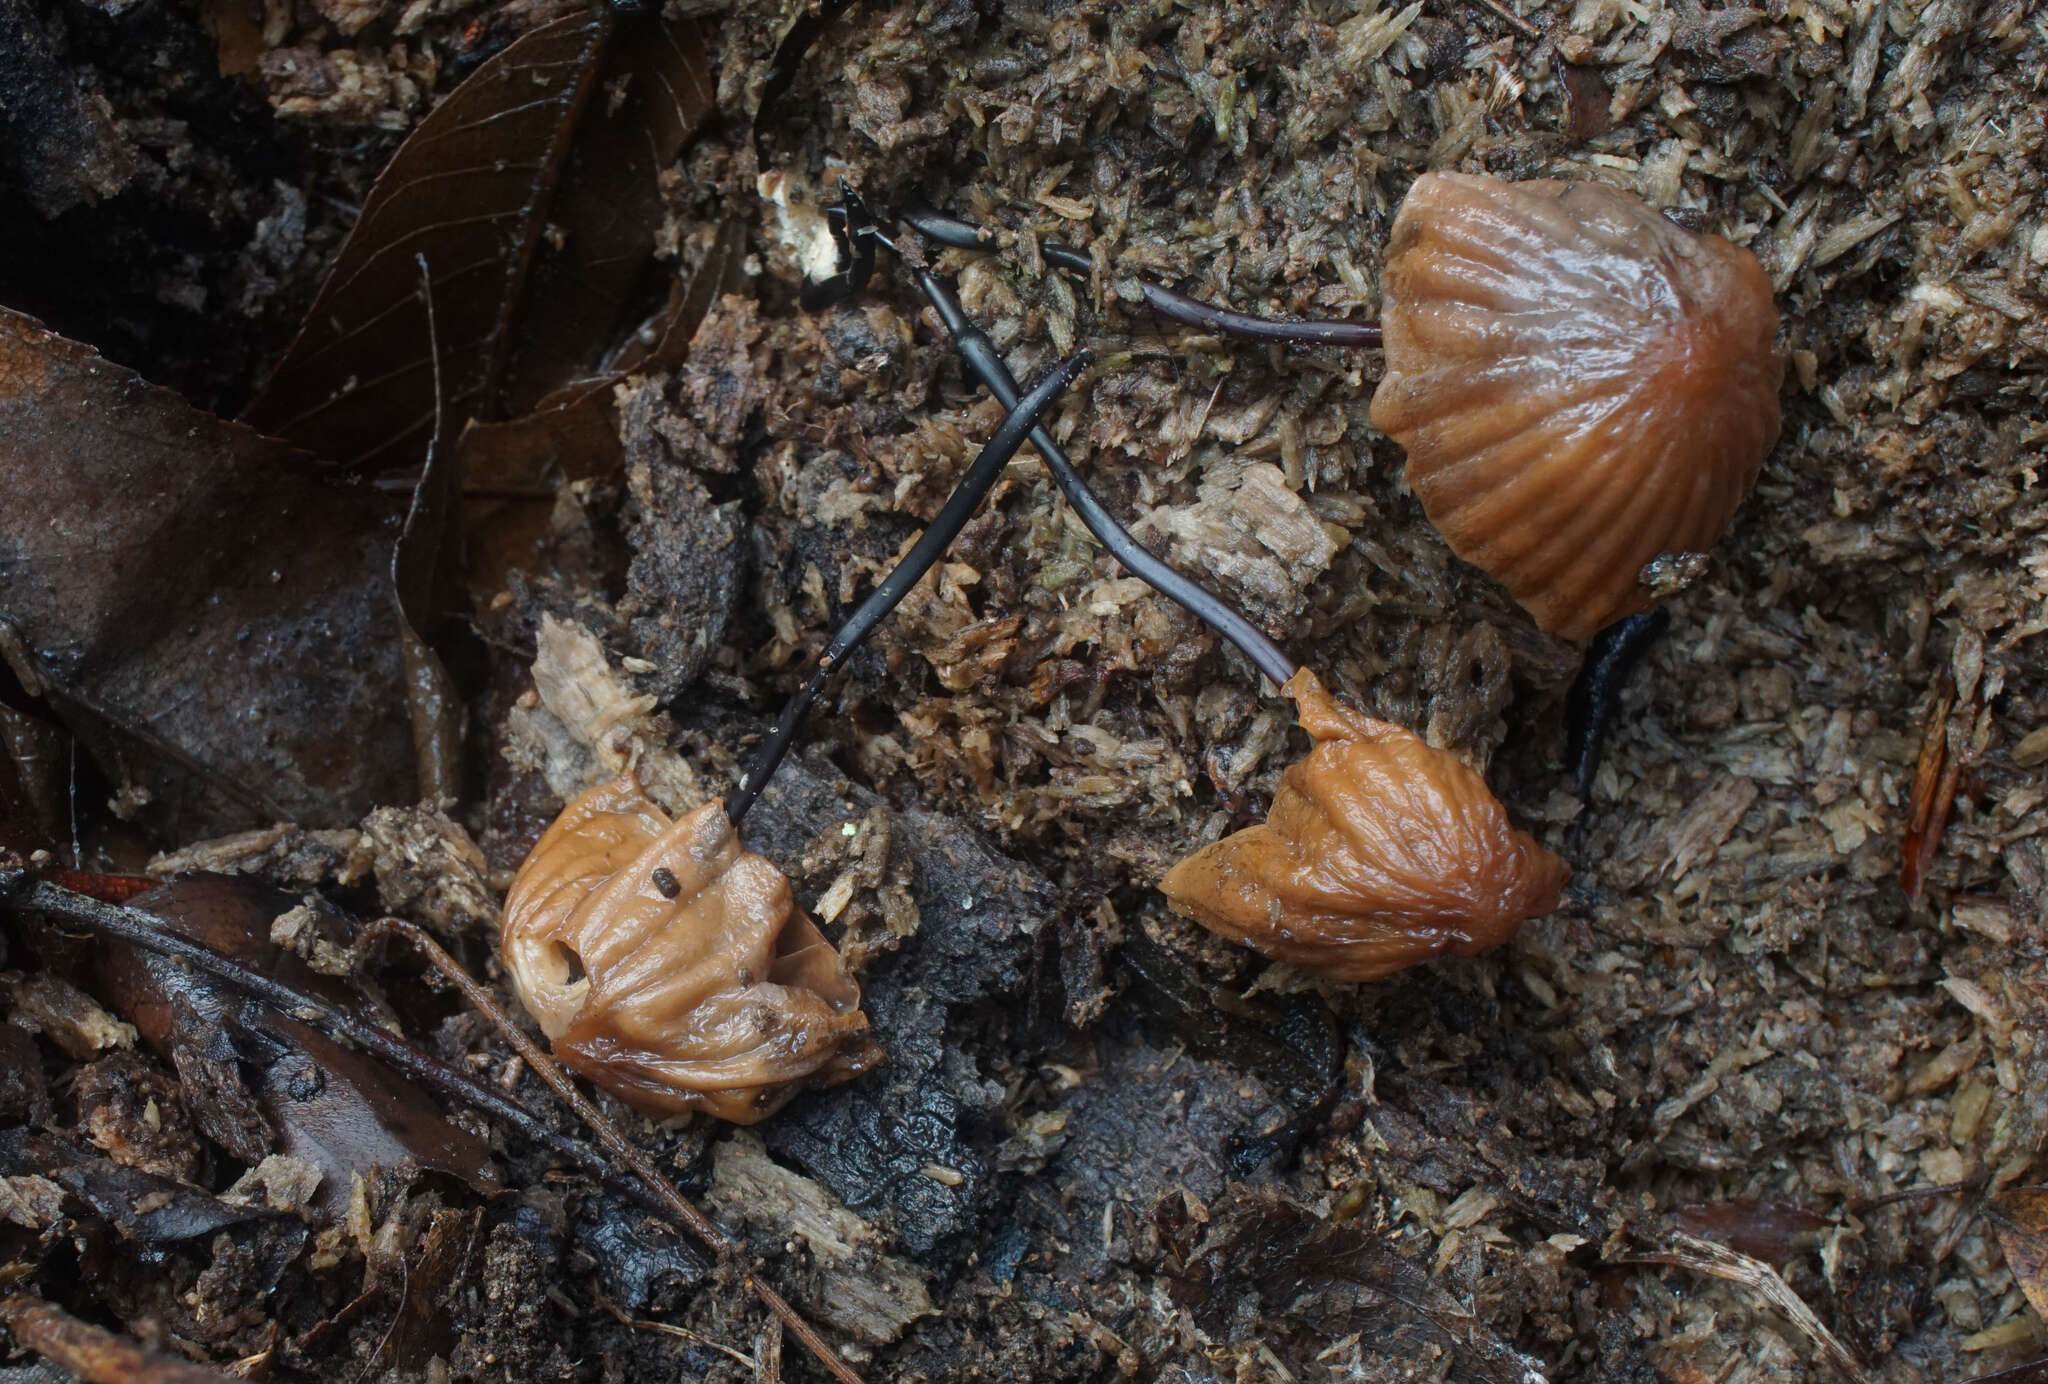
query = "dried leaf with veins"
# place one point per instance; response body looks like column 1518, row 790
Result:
column 1379, row 852
column 672, row 966
column 531, row 193
column 510, row 470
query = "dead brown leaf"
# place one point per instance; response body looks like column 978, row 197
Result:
column 332, row 1106
column 205, row 611
column 531, row 195
column 511, row 470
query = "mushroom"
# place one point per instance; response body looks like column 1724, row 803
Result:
column 1379, row 852
column 1582, row 386
column 671, row 965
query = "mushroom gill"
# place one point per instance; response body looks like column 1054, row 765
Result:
column 672, row 966
column 1581, row 385
column 1379, row 852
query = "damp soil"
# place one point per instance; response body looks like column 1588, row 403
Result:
column 1107, row 1145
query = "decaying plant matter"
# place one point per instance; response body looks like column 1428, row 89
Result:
column 1582, row 386
column 1378, row 852
column 672, row 966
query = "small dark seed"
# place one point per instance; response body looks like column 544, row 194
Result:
column 666, row 883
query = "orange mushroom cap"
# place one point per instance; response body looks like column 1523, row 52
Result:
column 1581, row 386
column 1379, row 853
column 671, row 965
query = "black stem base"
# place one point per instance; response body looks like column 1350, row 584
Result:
column 1594, row 703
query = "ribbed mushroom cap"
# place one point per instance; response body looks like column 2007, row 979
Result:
column 1379, row 852
column 671, row 965
column 1580, row 384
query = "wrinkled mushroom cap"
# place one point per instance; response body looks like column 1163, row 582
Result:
column 1379, row 853
column 671, row 965
column 1581, row 385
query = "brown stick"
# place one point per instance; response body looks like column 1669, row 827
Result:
column 1732, row 1266
column 1527, row 29
column 25, row 889
column 95, row 1355
column 628, row 1153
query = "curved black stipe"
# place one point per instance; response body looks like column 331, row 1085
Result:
column 942, row 229
column 981, row 357
column 1180, row 307
column 851, row 228
column 937, row 226
column 1066, row 258
column 1204, row 604
column 961, row 235
column 938, row 535
column 1593, row 703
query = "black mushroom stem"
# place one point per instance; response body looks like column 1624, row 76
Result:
column 1167, row 302
column 981, row 357
column 942, row 229
column 1594, row 703
column 938, row 536
column 1180, row 307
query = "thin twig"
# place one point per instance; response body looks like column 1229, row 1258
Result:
column 21, row 889
column 1732, row 1266
column 1527, row 29
column 1939, row 1189
column 608, row 1135
column 91, row 1353
column 623, row 1318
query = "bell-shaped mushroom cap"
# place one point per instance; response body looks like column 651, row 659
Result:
column 1379, row 852
column 671, row 965
column 1581, row 385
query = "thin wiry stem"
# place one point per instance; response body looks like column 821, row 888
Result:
column 961, row 235
column 931, row 544
column 1167, row 302
column 1194, row 312
column 981, row 357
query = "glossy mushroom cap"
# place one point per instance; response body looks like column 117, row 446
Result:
column 1580, row 385
column 1379, row 853
column 671, row 965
